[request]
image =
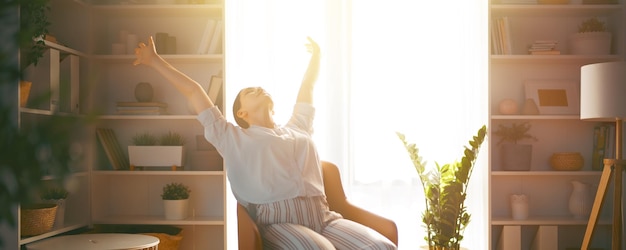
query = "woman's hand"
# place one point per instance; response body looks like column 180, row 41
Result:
column 145, row 53
column 312, row 47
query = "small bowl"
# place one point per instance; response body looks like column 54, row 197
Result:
column 567, row 161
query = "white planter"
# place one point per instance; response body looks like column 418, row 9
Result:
column 176, row 209
column 516, row 157
column 156, row 156
column 590, row 43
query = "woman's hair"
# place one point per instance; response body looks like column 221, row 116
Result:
column 236, row 107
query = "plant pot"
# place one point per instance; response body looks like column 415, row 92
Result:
column 176, row 209
column 59, row 220
column 440, row 248
column 156, row 156
column 590, row 43
column 516, row 157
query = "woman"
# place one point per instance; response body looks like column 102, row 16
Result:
column 274, row 170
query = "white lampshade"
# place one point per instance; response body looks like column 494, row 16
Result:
column 603, row 91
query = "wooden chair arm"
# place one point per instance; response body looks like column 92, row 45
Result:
column 384, row 226
column 247, row 230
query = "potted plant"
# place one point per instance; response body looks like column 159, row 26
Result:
column 592, row 38
column 445, row 190
column 34, row 22
column 149, row 151
column 175, row 201
column 56, row 195
column 515, row 156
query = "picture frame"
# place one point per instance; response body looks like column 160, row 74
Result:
column 554, row 97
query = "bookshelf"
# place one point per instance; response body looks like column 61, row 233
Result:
column 101, row 79
column 548, row 190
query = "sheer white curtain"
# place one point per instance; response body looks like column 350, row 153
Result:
column 417, row 67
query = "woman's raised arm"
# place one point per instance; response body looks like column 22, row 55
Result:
column 146, row 54
column 305, row 95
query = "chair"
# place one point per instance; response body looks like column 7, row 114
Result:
column 250, row 237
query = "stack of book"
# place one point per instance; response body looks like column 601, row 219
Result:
column 544, row 47
column 141, row 108
column 519, row 1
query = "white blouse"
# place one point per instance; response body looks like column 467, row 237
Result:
column 266, row 165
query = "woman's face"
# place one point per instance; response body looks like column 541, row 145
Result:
column 254, row 99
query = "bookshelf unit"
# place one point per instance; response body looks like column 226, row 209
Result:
column 133, row 197
column 86, row 31
column 548, row 190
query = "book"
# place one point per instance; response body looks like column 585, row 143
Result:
column 215, row 87
column 142, row 112
column 142, row 104
column 546, row 52
column 216, row 39
column 600, row 134
column 209, row 29
column 111, row 147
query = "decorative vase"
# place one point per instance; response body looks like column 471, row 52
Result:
column 530, row 107
column 144, row 92
column 519, row 206
column 508, row 107
column 516, row 157
column 580, row 200
column 176, row 209
column 567, row 161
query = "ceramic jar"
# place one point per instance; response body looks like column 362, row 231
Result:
column 144, row 92
column 580, row 200
column 519, row 206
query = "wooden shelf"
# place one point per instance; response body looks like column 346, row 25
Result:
column 160, row 220
column 549, row 221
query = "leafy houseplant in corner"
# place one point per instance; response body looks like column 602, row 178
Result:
column 445, row 190
column 515, row 156
column 175, row 201
column 56, row 195
column 592, row 38
column 149, row 151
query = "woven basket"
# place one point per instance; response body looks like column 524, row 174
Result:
column 567, row 161
column 166, row 241
column 37, row 219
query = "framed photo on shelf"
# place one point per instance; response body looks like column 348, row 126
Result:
column 554, row 97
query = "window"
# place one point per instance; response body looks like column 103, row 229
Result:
column 417, row 67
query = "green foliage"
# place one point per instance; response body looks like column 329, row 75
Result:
column 175, row 191
column 172, row 139
column 145, row 139
column 169, row 139
column 54, row 193
column 40, row 147
column 445, row 191
column 591, row 25
column 514, row 133
column 34, row 23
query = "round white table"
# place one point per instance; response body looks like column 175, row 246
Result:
column 104, row 241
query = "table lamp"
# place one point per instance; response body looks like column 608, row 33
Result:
column 603, row 98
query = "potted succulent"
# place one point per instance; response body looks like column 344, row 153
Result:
column 175, row 201
column 592, row 38
column 515, row 156
column 149, row 151
column 445, row 190
column 56, row 195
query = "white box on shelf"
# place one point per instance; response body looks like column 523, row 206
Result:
column 547, row 238
column 511, row 238
column 156, row 156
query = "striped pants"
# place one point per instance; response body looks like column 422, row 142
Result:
column 307, row 223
